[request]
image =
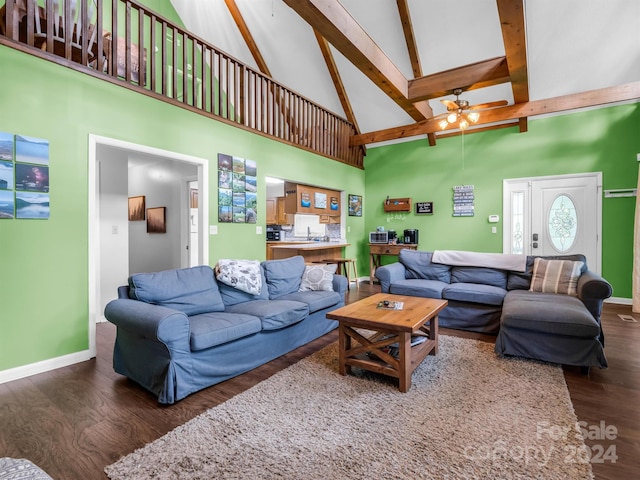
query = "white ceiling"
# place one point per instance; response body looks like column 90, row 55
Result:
column 572, row 46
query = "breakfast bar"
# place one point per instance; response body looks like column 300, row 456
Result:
column 313, row 251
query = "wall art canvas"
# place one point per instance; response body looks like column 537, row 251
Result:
column 136, row 208
column 32, row 150
column 6, row 146
column 156, row 220
column 6, row 175
column 355, row 205
column 237, row 189
column 7, row 204
column 32, row 205
column 34, row 178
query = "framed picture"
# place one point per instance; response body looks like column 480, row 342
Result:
column 193, row 198
column 355, row 205
column 136, row 208
column 156, row 222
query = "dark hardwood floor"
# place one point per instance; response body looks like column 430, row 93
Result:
column 74, row 421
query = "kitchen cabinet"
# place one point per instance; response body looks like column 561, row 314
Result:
column 311, row 200
column 272, row 211
column 282, row 217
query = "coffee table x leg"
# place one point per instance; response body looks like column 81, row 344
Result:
column 380, row 361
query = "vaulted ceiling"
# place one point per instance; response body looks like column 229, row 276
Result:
column 385, row 64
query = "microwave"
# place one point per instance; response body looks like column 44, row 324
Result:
column 378, row 237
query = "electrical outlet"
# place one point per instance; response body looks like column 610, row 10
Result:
column 213, row 229
column 258, row 230
column 494, row 230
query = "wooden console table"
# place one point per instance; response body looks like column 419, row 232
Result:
column 377, row 250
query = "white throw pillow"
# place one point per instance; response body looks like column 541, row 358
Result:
column 318, row 277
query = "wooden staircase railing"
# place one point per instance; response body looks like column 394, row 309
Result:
column 157, row 58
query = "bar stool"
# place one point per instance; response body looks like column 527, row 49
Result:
column 346, row 266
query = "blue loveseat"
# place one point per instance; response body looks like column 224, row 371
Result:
column 532, row 322
column 179, row 331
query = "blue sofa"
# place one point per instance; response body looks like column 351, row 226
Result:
column 179, row 331
column 553, row 327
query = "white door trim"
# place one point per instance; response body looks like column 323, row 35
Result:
column 94, row 270
column 506, row 211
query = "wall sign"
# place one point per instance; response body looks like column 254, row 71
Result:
column 424, row 208
column 463, row 201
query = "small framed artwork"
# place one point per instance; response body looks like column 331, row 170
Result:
column 424, row 208
column 355, row 205
column 136, row 208
column 156, row 220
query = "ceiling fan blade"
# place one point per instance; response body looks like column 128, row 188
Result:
column 450, row 104
column 480, row 106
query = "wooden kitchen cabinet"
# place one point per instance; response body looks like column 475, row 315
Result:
column 311, row 200
column 272, row 218
column 282, row 217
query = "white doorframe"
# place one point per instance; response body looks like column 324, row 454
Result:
column 525, row 184
column 94, row 267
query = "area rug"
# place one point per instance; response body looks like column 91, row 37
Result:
column 468, row 415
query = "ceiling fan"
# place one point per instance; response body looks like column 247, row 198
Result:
column 458, row 110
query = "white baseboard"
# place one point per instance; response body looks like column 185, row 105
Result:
column 619, row 300
column 45, row 366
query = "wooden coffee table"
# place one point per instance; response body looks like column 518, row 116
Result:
column 419, row 317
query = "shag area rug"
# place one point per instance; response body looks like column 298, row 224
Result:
column 468, row 415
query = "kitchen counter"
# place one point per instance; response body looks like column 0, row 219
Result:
column 311, row 251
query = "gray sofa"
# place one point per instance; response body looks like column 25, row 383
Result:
column 553, row 327
column 179, row 331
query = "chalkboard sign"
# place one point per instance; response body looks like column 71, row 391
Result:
column 424, row 207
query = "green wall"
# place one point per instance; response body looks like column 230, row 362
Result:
column 605, row 139
column 43, row 284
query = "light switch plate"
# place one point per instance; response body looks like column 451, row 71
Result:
column 213, row 229
column 258, row 230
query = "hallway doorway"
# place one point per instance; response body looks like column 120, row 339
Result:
column 109, row 235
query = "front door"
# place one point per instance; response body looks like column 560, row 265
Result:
column 558, row 215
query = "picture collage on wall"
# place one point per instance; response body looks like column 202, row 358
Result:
column 24, row 177
column 237, row 190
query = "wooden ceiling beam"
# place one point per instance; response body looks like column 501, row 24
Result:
column 469, row 77
column 511, row 13
column 409, row 37
column 246, row 35
column 337, row 80
column 336, row 25
column 602, row 96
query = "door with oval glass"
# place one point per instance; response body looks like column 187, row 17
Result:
column 558, row 215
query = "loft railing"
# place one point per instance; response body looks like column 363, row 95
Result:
column 155, row 57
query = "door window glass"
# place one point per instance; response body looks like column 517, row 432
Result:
column 563, row 223
column 517, row 222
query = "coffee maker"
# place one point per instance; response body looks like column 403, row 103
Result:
column 411, row 236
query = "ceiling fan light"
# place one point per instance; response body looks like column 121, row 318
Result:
column 443, row 123
column 452, row 117
column 473, row 117
column 463, row 124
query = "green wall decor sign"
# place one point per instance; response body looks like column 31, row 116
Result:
column 463, row 201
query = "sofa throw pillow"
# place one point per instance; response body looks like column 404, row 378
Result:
column 283, row 276
column 318, row 278
column 555, row 276
column 418, row 264
column 245, row 275
column 190, row 290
